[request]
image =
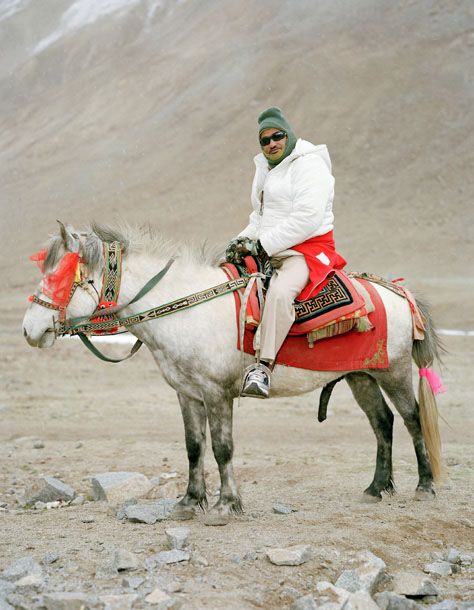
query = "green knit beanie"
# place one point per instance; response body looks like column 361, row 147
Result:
column 273, row 117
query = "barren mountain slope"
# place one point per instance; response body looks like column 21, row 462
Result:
column 148, row 112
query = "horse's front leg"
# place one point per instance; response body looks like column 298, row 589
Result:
column 219, row 414
column 194, row 418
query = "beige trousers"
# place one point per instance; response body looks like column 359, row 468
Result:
column 287, row 282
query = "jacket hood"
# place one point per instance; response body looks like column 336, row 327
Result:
column 302, row 148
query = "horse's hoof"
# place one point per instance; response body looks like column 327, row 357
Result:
column 214, row 519
column 424, row 495
column 369, row 499
column 182, row 513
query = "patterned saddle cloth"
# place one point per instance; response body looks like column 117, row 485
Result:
column 342, row 305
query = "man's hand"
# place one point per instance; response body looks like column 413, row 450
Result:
column 242, row 246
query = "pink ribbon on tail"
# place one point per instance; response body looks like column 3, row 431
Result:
column 433, row 379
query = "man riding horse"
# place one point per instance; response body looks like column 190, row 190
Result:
column 292, row 223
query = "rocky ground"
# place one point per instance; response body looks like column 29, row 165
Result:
column 68, row 416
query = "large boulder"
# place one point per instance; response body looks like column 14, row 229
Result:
column 117, row 487
column 365, row 574
column 48, row 489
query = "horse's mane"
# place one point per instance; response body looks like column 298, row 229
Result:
column 135, row 239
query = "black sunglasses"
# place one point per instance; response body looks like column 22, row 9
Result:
column 276, row 137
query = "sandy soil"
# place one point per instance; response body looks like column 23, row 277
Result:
column 127, row 418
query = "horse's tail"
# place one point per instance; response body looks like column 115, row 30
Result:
column 424, row 352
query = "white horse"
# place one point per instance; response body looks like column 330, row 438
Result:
column 196, row 352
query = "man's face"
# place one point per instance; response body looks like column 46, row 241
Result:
column 274, row 149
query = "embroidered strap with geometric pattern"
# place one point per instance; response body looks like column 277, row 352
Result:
column 112, row 272
column 191, row 300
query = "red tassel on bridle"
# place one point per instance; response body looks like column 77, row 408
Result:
column 39, row 259
column 105, row 305
column 58, row 285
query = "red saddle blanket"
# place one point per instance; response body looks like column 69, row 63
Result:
column 346, row 352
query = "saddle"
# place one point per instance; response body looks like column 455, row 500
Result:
column 342, row 305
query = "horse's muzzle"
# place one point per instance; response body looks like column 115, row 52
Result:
column 46, row 340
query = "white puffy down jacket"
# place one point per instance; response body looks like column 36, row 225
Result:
column 297, row 198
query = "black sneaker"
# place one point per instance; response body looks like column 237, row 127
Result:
column 256, row 381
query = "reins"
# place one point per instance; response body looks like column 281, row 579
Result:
column 191, row 300
column 105, row 320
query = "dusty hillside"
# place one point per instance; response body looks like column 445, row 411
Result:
column 148, row 112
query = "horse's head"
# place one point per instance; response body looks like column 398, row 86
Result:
column 71, row 269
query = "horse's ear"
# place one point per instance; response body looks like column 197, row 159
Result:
column 70, row 240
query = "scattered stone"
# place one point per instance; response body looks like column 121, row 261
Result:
column 65, row 601
column 413, row 584
column 29, row 584
column 177, row 537
column 39, row 505
column 447, row 604
column 118, row 602
column 174, row 556
column 79, row 444
column 290, row 592
column 3, row 505
column 20, row 568
column 250, row 556
column 438, row 568
column 117, row 487
column 168, row 475
column 199, row 560
column 157, row 596
column 18, row 601
column 50, row 558
column 332, row 597
column 361, row 600
column 38, row 444
column 367, row 574
column 170, row 491
column 391, row 601
column 453, row 556
column 87, row 519
column 55, row 504
column 48, row 489
column 304, row 603
column 78, row 501
column 155, row 481
column 125, row 560
column 132, row 582
column 282, row 509
column 467, row 522
column 106, row 570
column 466, row 560
column 150, row 513
column 121, row 511
column 6, row 588
column 291, row 556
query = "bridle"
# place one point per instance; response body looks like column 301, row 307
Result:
column 62, row 308
column 108, row 297
column 106, row 309
column 104, row 320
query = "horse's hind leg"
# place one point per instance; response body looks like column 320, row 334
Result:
column 219, row 414
column 370, row 399
column 194, row 418
column 399, row 389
